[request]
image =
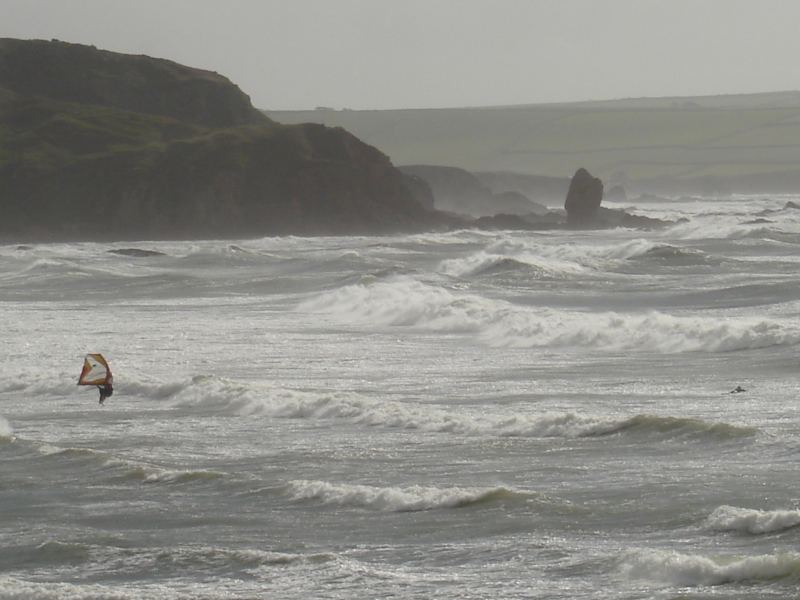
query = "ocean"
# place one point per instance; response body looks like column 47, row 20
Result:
column 471, row 414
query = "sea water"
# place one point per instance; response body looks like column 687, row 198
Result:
column 470, row 414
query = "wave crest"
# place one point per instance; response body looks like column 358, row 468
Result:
column 405, row 302
column 233, row 398
column 695, row 570
column 745, row 520
column 396, row 499
column 681, row 427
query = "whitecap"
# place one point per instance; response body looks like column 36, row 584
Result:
column 696, row 570
column 393, row 499
column 406, row 302
column 746, row 520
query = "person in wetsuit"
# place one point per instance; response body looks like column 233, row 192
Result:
column 105, row 391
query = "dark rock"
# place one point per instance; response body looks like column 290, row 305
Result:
column 583, row 199
column 611, row 217
column 529, row 222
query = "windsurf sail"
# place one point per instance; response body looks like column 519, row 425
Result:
column 95, row 371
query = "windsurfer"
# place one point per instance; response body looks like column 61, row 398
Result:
column 105, row 391
column 97, row 372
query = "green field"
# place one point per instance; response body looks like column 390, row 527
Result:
column 746, row 142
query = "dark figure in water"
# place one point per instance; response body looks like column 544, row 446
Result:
column 105, row 391
column 737, row 389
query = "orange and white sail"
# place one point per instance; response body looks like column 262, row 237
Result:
column 95, row 371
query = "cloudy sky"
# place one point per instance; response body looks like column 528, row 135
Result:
column 440, row 53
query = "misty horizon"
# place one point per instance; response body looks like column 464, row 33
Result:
column 366, row 55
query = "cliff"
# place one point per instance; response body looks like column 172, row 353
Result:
column 99, row 145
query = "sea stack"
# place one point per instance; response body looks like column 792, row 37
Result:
column 583, row 199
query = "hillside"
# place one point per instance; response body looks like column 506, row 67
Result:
column 747, row 143
column 99, row 145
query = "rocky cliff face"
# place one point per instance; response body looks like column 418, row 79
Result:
column 99, row 145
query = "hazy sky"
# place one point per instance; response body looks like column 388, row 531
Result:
column 438, row 53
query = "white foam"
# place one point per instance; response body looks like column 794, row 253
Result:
column 406, row 302
column 696, row 570
column 731, row 518
column 221, row 395
column 391, row 499
column 553, row 260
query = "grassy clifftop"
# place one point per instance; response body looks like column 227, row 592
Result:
column 85, row 75
column 725, row 143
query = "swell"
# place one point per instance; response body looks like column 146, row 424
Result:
column 679, row 427
column 54, row 551
column 121, row 470
column 673, row 256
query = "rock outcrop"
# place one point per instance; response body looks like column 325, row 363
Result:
column 99, row 145
column 583, row 199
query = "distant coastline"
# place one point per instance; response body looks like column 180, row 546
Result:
column 99, row 145
column 748, row 143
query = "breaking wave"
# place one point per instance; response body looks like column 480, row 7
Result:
column 220, row 395
column 563, row 260
column 746, row 520
column 397, row 499
column 406, row 302
column 694, row 570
